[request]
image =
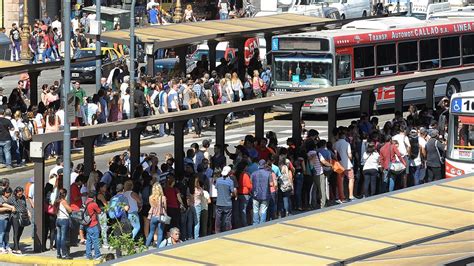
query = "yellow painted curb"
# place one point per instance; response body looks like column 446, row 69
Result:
column 38, row 260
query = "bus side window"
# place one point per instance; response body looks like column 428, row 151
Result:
column 343, row 69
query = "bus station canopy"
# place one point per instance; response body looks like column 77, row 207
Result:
column 175, row 35
column 10, row 68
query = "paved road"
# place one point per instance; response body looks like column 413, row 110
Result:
column 47, row 77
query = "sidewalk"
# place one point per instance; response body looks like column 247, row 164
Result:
column 124, row 144
column 49, row 257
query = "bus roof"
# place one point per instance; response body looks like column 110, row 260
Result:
column 375, row 30
column 463, row 94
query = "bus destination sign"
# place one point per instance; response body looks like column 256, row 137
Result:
column 403, row 34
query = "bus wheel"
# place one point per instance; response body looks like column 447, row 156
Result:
column 452, row 88
column 364, row 14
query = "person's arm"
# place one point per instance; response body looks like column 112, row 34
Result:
column 175, row 99
column 164, row 204
column 96, row 208
column 323, row 161
column 136, row 197
column 66, row 205
column 180, row 199
column 248, row 182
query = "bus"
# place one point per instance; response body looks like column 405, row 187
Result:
column 370, row 49
column 460, row 151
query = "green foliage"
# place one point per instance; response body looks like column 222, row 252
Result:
column 121, row 239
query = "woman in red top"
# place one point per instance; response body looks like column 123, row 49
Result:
column 174, row 203
column 243, row 191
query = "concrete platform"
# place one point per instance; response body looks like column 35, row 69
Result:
column 376, row 227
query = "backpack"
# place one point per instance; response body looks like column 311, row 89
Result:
column 26, row 134
column 203, row 97
column 157, row 101
column 415, row 147
column 285, row 184
column 86, row 219
column 115, row 210
column 216, row 93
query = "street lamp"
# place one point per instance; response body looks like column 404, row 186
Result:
column 25, row 35
column 177, row 12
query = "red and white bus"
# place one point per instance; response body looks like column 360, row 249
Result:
column 460, row 151
column 369, row 49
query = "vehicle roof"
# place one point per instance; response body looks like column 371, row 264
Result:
column 377, row 25
column 463, row 94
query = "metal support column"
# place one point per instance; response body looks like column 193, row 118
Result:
column 220, row 129
column 367, row 101
column 39, row 213
column 430, row 101
column 332, row 115
column 296, row 121
column 132, row 60
column 268, row 44
column 33, row 87
column 179, row 148
column 240, row 44
column 212, row 54
column 89, row 153
column 150, row 65
column 259, row 123
column 182, row 52
column 399, row 97
column 98, row 46
column 135, row 147
column 66, row 90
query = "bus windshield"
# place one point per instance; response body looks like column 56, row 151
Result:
column 461, row 146
column 314, row 70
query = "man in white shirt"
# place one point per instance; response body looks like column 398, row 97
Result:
column 57, row 24
column 75, row 23
column 59, row 165
column 403, row 148
column 173, row 104
column 343, row 149
column 124, row 86
column 151, row 4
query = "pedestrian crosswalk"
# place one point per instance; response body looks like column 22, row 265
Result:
column 234, row 137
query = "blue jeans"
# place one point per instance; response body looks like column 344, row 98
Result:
column 135, row 221
column 93, row 241
column 223, row 16
column 62, row 227
column 197, row 226
column 286, row 202
column 154, row 224
column 5, row 152
column 415, row 174
column 243, row 202
column 16, row 51
column 260, row 208
column 299, row 190
column 5, row 226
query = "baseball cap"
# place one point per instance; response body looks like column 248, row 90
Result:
column 434, row 133
column 119, row 188
column 226, row 170
column 262, row 162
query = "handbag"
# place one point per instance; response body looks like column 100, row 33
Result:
column 396, row 166
column 51, row 209
column 337, row 167
column 163, row 217
column 24, row 219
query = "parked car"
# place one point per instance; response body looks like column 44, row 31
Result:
column 84, row 72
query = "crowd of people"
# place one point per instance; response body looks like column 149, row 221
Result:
column 223, row 189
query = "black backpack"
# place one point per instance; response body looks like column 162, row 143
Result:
column 415, row 147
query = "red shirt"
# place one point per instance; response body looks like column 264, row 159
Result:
column 171, row 194
column 93, row 209
column 263, row 153
column 245, row 185
column 75, row 193
column 387, row 155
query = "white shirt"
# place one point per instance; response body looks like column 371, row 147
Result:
column 123, row 88
column 205, row 198
column 172, row 99
column 403, row 143
column 371, row 161
column 91, row 110
column 126, row 104
column 60, row 114
column 55, row 170
column 212, row 188
column 74, row 175
column 150, row 5
column 421, row 145
column 343, row 148
column 75, row 24
column 57, row 24
column 153, row 96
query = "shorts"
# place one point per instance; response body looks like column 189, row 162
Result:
column 349, row 173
